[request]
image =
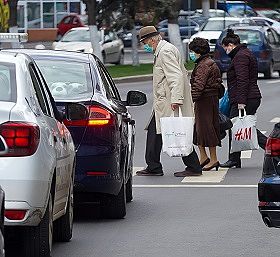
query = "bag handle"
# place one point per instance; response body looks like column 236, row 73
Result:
column 240, row 113
column 177, row 112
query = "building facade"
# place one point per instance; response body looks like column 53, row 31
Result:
column 44, row 14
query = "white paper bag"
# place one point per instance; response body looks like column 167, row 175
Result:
column 244, row 133
column 177, row 135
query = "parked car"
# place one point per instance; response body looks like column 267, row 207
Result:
column 37, row 172
column 213, row 13
column 269, row 13
column 264, row 42
column 104, row 142
column 186, row 25
column 213, row 28
column 71, row 21
column 269, row 185
column 3, row 151
column 236, row 8
column 263, row 21
column 126, row 34
column 78, row 40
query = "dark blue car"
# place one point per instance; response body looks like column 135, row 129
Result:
column 263, row 41
column 104, row 142
column 269, row 185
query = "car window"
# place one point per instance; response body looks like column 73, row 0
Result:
column 7, row 82
column 276, row 37
column 38, row 90
column 78, row 36
column 66, row 20
column 249, row 37
column 270, row 37
column 73, row 81
column 218, row 25
column 76, row 21
column 262, row 22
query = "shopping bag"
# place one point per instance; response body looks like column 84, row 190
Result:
column 244, row 133
column 224, row 105
column 177, row 135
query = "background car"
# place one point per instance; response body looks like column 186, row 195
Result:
column 264, row 42
column 104, row 143
column 186, row 25
column 213, row 13
column 213, row 28
column 71, row 21
column 263, row 21
column 78, row 40
column 236, row 8
column 269, row 13
column 37, row 171
column 269, row 185
column 126, row 34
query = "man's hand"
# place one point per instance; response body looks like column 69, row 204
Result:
column 174, row 106
column 241, row 106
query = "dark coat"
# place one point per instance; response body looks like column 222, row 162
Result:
column 205, row 79
column 242, row 76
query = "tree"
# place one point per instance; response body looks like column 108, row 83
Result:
column 4, row 15
column 13, row 26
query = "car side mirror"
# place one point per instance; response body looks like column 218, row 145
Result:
column 196, row 29
column 135, row 98
column 3, row 146
column 76, row 111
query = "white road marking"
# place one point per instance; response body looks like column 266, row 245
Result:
column 136, row 169
column 275, row 120
column 211, row 176
column 273, row 81
column 195, row 186
column 263, row 131
column 246, row 154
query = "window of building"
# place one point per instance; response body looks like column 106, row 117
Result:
column 48, row 15
column 33, row 15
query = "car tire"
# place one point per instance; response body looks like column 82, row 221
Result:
column 115, row 206
column 37, row 241
column 121, row 59
column 63, row 227
column 269, row 72
column 128, row 189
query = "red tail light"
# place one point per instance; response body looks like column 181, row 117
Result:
column 97, row 173
column 272, row 147
column 15, row 214
column 98, row 116
column 22, row 138
column 264, row 54
column 261, row 204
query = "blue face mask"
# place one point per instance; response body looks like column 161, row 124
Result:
column 193, row 56
column 148, row 48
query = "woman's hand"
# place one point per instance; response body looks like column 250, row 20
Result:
column 174, row 106
column 241, row 106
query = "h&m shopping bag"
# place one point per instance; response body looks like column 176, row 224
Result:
column 177, row 135
column 244, row 133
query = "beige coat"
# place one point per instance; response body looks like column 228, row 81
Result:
column 170, row 83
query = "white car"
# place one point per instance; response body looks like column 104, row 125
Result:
column 213, row 28
column 264, row 21
column 37, row 172
column 78, row 40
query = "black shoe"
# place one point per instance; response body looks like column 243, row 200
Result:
column 231, row 164
column 148, row 173
column 188, row 173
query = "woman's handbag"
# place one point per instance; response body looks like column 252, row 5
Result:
column 225, row 124
column 177, row 135
column 244, row 133
column 224, row 105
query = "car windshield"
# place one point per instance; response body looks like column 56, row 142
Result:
column 239, row 10
column 67, row 80
column 249, row 37
column 7, row 82
column 82, row 35
column 217, row 25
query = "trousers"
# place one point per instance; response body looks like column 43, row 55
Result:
column 153, row 151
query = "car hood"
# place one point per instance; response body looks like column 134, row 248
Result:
column 73, row 46
column 207, row 35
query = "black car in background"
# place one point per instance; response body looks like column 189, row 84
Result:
column 269, row 185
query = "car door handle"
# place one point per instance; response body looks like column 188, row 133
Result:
column 55, row 139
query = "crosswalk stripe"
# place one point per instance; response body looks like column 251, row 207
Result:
column 195, row 186
column 275, row 120
column 273, row 81
column 246, row 154
column 263, row 131
column 136, row 169
column 208, row 177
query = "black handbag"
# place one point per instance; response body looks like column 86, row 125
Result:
column 225, row 124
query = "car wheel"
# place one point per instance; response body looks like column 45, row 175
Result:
column 121, row 59
column 115, row 206
column 63, row 226
column 269, row 72
column 37, row 241
column 128, row 189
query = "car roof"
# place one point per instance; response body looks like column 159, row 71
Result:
column 227, row 18
column 250, row 27
column 63, row 55
column 13, row 57
column 80, row 28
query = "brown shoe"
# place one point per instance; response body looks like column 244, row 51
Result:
column 187, row 173
column 148, row 173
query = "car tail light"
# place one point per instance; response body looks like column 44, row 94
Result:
column 272, row 147
column 22, row 138
column 98, row 116
column 261, row 204
column 97, row 173
column 15, row 214
column 264, row 54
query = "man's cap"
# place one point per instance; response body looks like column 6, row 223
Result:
column 147, row 32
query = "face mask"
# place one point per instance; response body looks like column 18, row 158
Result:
column 148, row 48
column 228, row 50
column 193, row 56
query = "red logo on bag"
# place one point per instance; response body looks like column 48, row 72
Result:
column 243, row 134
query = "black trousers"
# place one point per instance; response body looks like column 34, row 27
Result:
column 153, row 150
column 251, row 109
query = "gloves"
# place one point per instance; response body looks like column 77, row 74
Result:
column 241, row 106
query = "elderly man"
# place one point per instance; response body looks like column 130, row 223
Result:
column 171, row 90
